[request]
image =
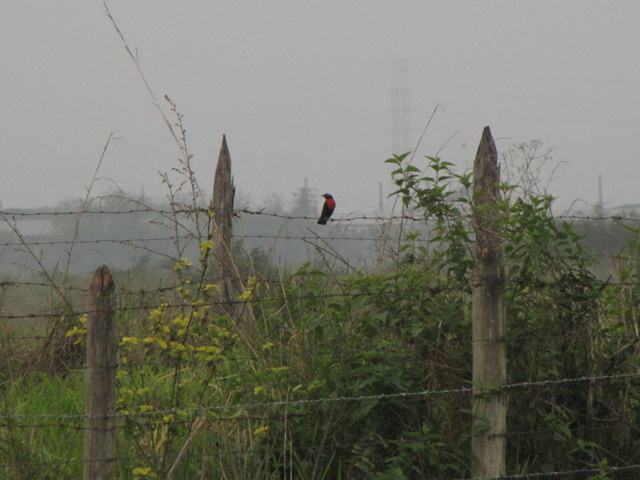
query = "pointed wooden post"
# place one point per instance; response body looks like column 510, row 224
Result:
column 100, row 394
column 222, row 207
column 489, row 354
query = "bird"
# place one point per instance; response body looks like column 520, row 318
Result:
column 327, row 209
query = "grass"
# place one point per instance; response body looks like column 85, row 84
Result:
column 31, row 447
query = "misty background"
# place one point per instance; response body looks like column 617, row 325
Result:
column 322, row 91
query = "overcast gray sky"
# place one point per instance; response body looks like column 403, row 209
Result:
column 302, row 89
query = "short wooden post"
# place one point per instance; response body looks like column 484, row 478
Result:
column 100, row 395
column 222, row 206
column 489, row 355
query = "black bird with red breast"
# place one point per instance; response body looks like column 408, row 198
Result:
column 327, row 209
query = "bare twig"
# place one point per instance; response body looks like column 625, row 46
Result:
column 85, row 203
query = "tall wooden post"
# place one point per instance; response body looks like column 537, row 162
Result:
column 222, row 207
column 489, row 354
column 100, row 395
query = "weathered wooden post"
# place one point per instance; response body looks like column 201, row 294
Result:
column 222, row 208
column 100, row 394
column 489, row 354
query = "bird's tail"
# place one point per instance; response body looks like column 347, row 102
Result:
column 322, row 221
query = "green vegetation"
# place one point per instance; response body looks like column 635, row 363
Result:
column 302, row 381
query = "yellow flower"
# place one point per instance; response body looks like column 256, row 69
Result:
column 205, row 248
column 246, row 295
column 168, row 418
column 180, row 321
column 156, row 313
column 143, row 472
column 76, row 331
column 261, row 430
column 184, row 262
column 128, row 341
column 211, row 286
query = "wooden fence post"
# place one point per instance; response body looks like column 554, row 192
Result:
column 100, row 394
column 222, row 207
column 489, row 354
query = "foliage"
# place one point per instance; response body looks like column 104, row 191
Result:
column 300, row 378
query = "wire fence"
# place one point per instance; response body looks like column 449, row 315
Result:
column 338, row 399
column 262, row 212
column 278, row 410
column 207, row 212
column 80, row 309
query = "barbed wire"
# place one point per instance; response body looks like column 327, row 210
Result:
column 545, row 344
column 559, row 473
column 262, row 418
column 206, row 304
column 306, row 237
column 598, row 218
column 120, row 290
column 129, row 241
column 180, row 211
column 379, row 218
column 339, row 398
column 290, row 277
column 71, row 462
column 256, row 300
column 123, row 241
column 149, row 422
column 11, row 283
column 261, row 212
column 61, row 213
column 521, row 476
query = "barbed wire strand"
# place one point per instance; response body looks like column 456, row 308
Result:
column 345, row 398
column 190, row 305
column 435, row 289
column 262, row 212
column 180, row 211
column 129, row 241
column 559, row 473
